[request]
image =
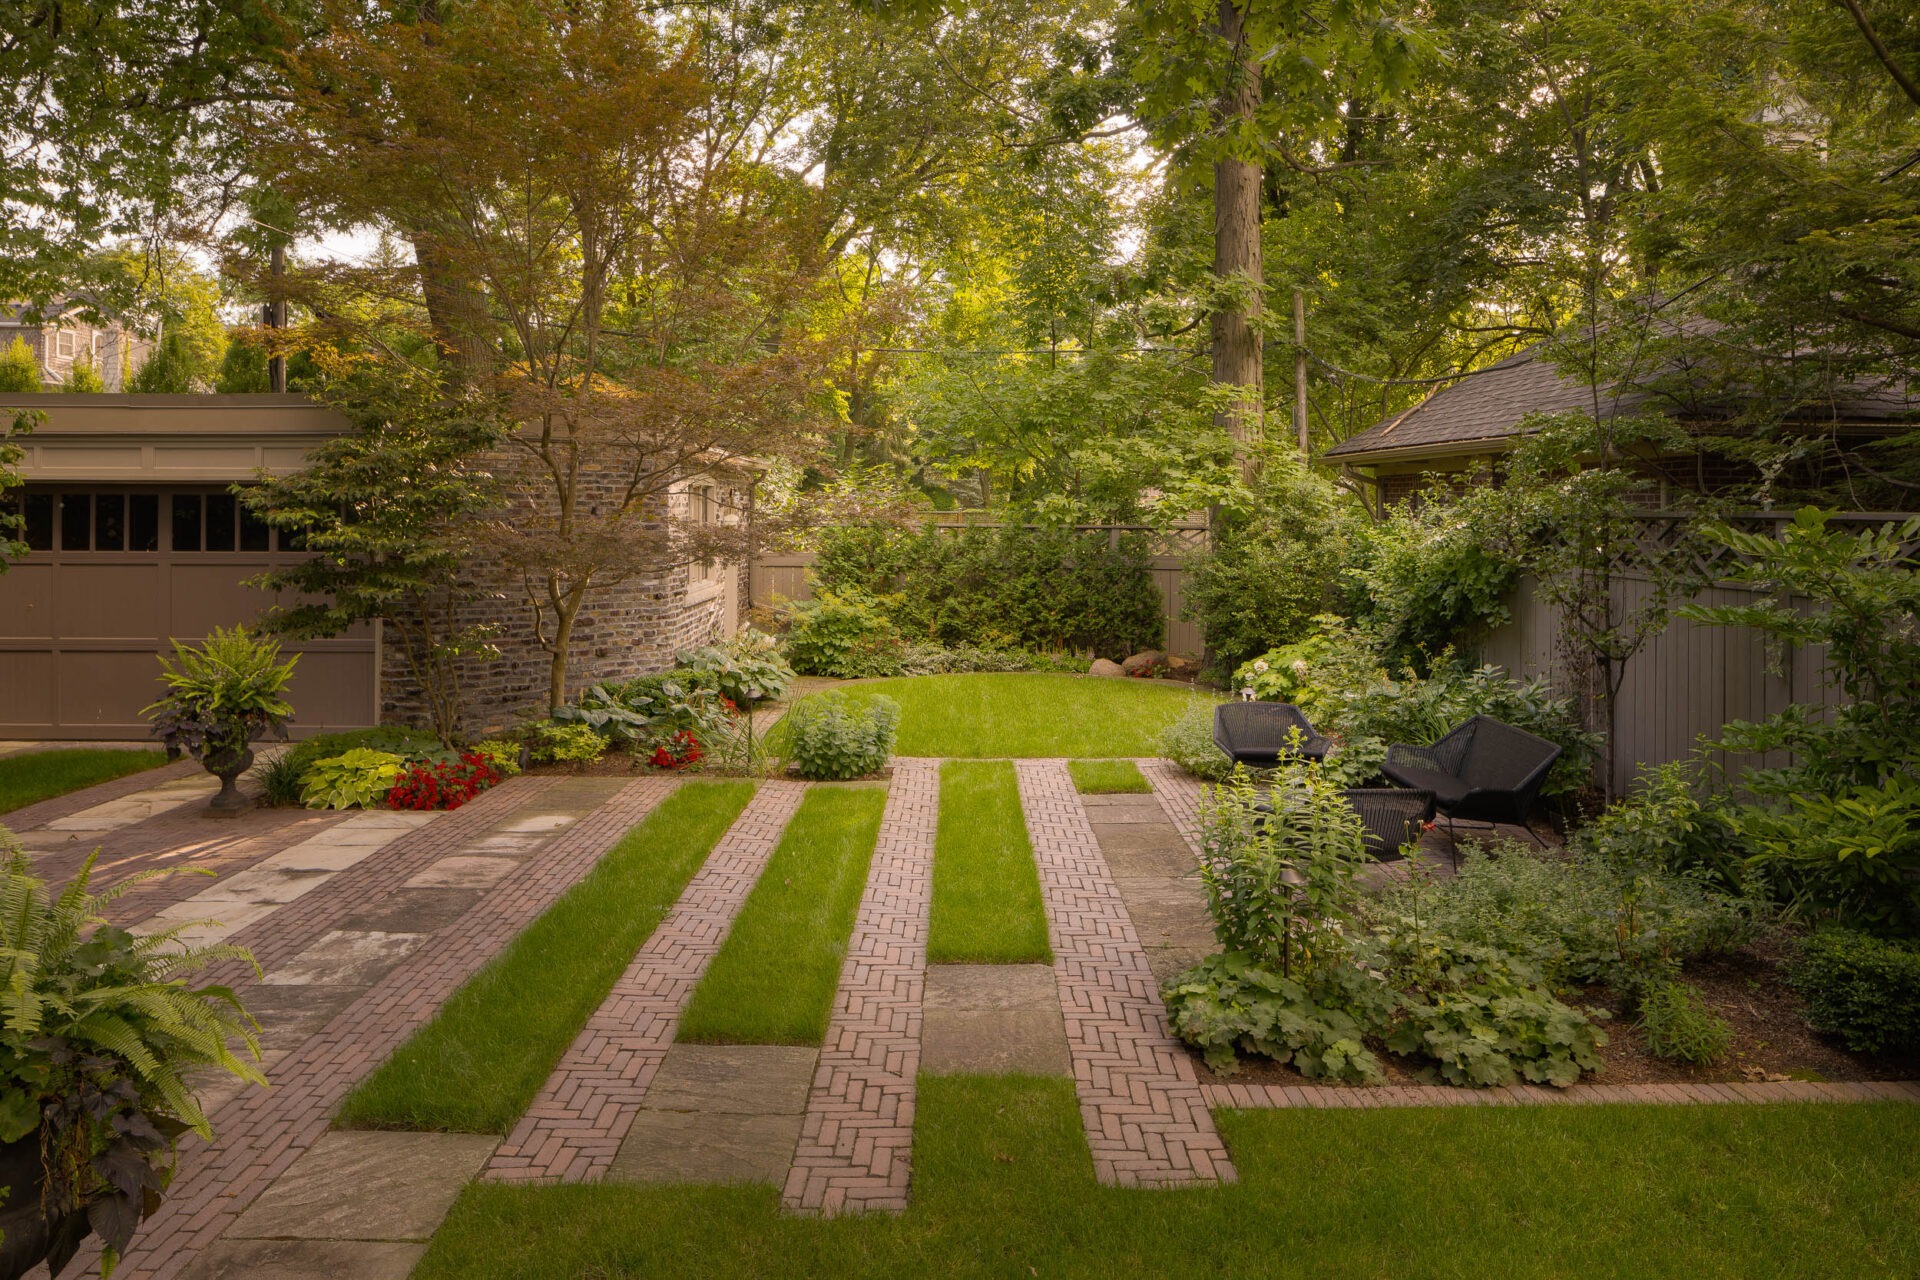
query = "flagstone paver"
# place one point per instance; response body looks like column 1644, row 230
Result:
column 856, row 1145
column 719, row 1113
column 1147, row 1121
column 574, row 1129
column 262, row 1133
column 993, row 1019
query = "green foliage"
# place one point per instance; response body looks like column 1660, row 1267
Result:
column 28, row 777
column 1664, row 822
column 1188, row 742
column 651, row 711
column 100, row 1039
column 1011, row 587
column 13, row 426
column 1427, row 581
column 1854, row 854
column 1861, row 988
column 1580, row 919
column 1679, row 1027
column 19, row 368
column 552, row 742
column 223, row 694
column 835, row 735
column 167, row 370
column 747, row 669
column 1313, row 672
column 502, row 754
column 392, row 739
column 839, row 633
column 280, row 781
column 356, row 779
column 1275, row 566
column 243, row 370
column 84, row 378
column 1232, row 1003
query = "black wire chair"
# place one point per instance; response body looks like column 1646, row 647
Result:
column 1393, row 817
column 1259, row 734
column 1484, row 771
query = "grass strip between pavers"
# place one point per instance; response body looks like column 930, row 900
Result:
column 1108, row 777
column 1003, row 1187
column 774, row 978
column 34, row 776
column 483, row 1057
column 987, row 907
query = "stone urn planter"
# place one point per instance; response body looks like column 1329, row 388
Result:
column 229, row 766
column 221, row 698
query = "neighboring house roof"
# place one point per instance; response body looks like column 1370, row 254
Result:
column 1478, row 413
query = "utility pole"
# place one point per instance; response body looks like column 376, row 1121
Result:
column 1300, row 372
column 277, row 319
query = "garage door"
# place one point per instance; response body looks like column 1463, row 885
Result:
column 112, row 576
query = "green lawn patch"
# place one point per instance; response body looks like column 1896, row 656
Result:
column 1107, row 777
column 1030, row 714
column 483, row 1057
column 1003, row 1187
column 42, row 775
column 986, row 891
column 774, row 979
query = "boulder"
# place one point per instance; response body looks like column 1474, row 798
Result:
column 1138, row 662
column 1182, row 665
column 1103, row 667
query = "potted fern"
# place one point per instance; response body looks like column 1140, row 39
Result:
column 221, row 698
column 99, row 1032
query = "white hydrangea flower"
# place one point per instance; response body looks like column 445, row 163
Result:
column 1300, row 667
column 1260, row 665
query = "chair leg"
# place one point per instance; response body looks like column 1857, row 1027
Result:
column 1453, row 843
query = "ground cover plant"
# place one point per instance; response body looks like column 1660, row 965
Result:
column 774, row 978
column 1004, row 1186
column 483, row 1057
column 835, row 736
column 41, row 775
column 1029, row 714
column 986, row 907
column 1107, row 777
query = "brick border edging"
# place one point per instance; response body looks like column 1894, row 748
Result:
column 1326, row 1097
column 41, row 812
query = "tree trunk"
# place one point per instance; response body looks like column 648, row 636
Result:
column 565, row 613
column 1236, row 241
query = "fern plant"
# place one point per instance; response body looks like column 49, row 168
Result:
column 99, row 1034
column 224, row 694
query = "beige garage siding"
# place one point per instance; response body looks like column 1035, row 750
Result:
column 117, row 571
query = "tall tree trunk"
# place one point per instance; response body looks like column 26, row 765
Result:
column 1236, row 239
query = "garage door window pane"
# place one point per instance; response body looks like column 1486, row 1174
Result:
column 76, row 522
column 39, row 513
column 110, row 522
column 186, row 522
column 254, row 534
column 220, row 518
column 143, row 522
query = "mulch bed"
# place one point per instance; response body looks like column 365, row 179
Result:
column 1771, row 1039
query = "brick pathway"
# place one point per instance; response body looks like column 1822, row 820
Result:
column 856, row 1143
column 27, row 817
column 1145, row 1116
column 1179, row 794
column 1251, row 1096
column 262, row 1132
column 573, row 1130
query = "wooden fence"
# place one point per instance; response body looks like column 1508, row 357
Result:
column 784, row 576
column 1686, row 682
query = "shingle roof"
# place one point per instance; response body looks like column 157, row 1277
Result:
column 1485, row 406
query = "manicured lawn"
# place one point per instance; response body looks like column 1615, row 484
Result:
column 1030, row 714
column 986, row 893
column 480, row 1061
column 1003, row 1187
column 774, row 978
column 1107, row 777
column 42, row 775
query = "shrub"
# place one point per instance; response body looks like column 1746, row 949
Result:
column 550, row 742
column 1665, row 823
column 503, row 755
column 1310, row 673
column 1855, row 853
column 393, row 739
column 677, row 752
column 1231, row 1004
column 84, row 379
column 19, row 368
column 1012, row 587
column 833, row 736
column 1188, row 742
column 168, row 370
column 747, row 669
column 1428, row 582
column 442, row 784
column 1679, row 1027
column 1861, row 988
column 356, row 779
column 839, row 633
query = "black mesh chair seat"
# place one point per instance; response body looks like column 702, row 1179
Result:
column 1258, row 734
column 1483, row 771
column 1393, row 817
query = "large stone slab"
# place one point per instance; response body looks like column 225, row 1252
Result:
column 1124, row 807
column 739, row 1079
column 987, row 1019
column 351, row 959
column 232, row 1259
column 1141, row 850
column 274, row 885
column 1167, row 912
column 367, row 1186
column 464, row 871
column 289, row 1014
column 694, row 1146
column 414, row 911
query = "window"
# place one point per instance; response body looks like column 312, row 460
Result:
column 63, row 343
column 186, row 522
column 39, row 514
column 76, row 522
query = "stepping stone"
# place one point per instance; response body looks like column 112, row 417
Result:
column 1141, row 850
column 225, row 919
column 306, row 1260
column 699, row 1146
column 993, row 1019
column 741, row 1079
column 1124, row 808
column 1169, row 962
column 463, row 871
column 288, row 1014
column 354, row 1185
column 351, row 959
column 272, row 885
column 1167, row 912
column 414, row 911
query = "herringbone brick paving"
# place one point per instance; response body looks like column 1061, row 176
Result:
column 262, row 1132
column 574, row 1128
column 856, row 1142
column 1140, row 1100
column 1179, row 794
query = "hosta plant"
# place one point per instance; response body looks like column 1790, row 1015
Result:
column 100, row 1031
column 356, row 779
